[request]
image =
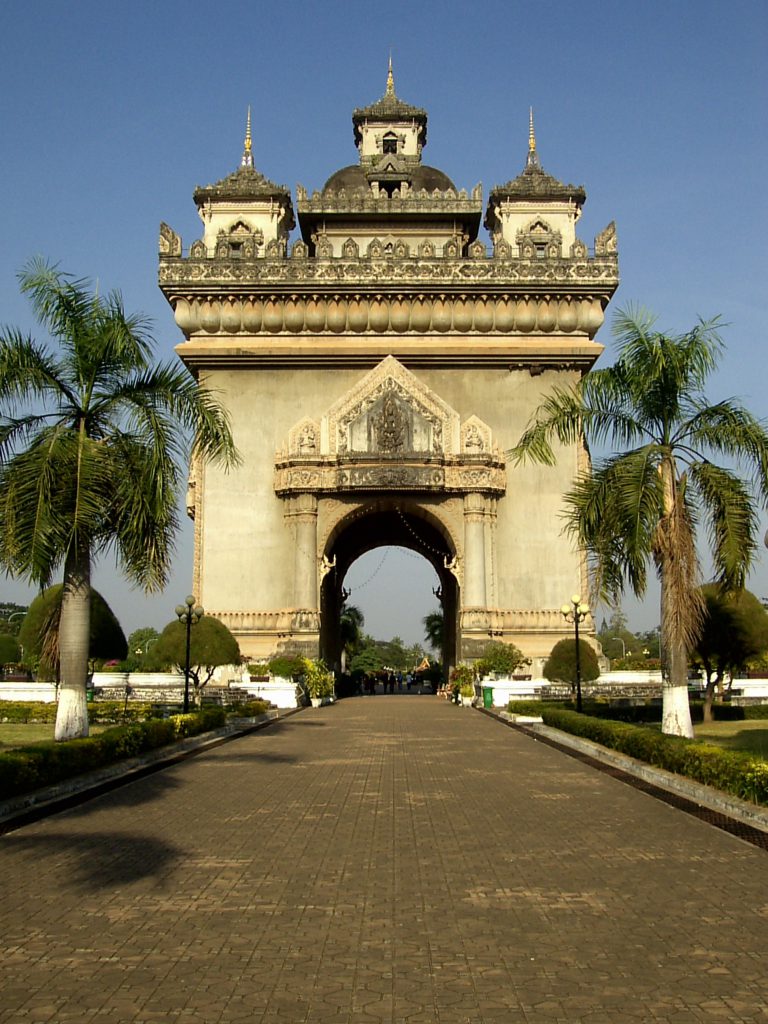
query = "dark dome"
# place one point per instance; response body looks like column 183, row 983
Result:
column 353, row 178
column 348, row 178
column 431, row 179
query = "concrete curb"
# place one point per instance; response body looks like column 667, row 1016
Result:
column 37, row 804
column 706, row 796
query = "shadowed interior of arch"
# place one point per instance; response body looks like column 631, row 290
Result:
column 383, row 525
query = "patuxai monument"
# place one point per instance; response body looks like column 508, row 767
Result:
column 378, row 355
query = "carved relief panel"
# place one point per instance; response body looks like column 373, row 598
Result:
column 390, row 432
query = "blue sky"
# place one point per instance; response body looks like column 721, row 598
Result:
column 111, row 113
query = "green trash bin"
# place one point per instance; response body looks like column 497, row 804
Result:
column 90, row 693
column 487, row 696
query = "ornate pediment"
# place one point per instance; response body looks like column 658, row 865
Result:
column 390, row 432
column 391, row 412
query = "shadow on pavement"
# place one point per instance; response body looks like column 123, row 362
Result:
column 101, row 859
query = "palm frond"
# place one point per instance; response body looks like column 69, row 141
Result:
column 732, row 521
column 558, row 418
column 142, row 517
column 613, row 513
column 28, row 370
column 728, row 429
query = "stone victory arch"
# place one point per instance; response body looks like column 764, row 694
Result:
column 375, row 370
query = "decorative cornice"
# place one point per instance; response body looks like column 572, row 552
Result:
column 551, row 310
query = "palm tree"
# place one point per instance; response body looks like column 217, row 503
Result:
column 351, row 622
column 434, row 630
column 92, row 437
column 644, row 502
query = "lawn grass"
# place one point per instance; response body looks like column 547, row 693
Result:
column 751, row 737
column 19, row 734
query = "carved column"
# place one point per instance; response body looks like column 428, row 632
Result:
column 475, row 594
column 304, row 514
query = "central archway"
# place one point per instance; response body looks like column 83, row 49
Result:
column 382, row 522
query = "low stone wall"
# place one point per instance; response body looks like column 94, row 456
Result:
column 280, row 692
column 44, row 692
column 638, row 686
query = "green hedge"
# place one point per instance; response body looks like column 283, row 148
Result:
column 103, row 712
column 652, row 712
column 43, row 764
column 248, row 709
column 733, row 772
column 528, row 707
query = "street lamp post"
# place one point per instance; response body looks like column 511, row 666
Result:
column 623, row 646
column 576, row 612
column 188, row 613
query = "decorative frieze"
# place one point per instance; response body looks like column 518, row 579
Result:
column 450, row 475
column 282, row 621
column 404, row 201
column 508, row 621
column 499, row 269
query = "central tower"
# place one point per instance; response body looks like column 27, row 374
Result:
column 376, row 369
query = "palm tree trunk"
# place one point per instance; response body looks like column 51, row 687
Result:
column 74, row 638
column 672, row 542
column 676, row 708
column 713, row 682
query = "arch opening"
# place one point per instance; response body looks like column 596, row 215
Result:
column 387, row 523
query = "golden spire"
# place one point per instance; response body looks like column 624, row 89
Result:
column 533, row 156
column 390, row 79
column 247, row 160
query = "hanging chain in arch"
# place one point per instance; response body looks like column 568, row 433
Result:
column 375, row 572
column 440, row 552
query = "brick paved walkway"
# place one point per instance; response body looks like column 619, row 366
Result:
column 388, row 859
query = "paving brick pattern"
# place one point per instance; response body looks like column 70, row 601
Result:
column 389, row 859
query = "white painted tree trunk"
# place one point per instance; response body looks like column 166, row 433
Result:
column 676, row 708
column 74, row 637
column 676, row 711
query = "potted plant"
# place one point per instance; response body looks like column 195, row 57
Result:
column 318, row 681
column 463, row 681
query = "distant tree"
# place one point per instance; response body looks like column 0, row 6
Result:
column 139, row 645
column 39, row 632
column 9, row 649
column 651, row 643
column 560, row 666
column 415, row 654
column 735, row 629
column 616, row 639
column 211, row 645
column 368, row 657
column 502, row 659
column 617, row 621
column 434, row 630
column 394, row 653
column 286, row 666
column 11, row 617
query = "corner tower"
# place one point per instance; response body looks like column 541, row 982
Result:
column 376, row 368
